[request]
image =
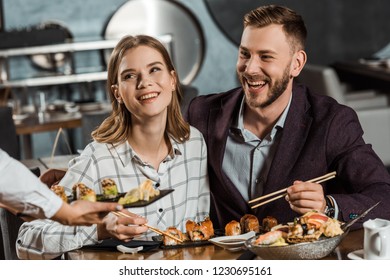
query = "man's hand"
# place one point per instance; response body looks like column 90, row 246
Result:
column 52, row 176
column 83, row 212
column 305, row 196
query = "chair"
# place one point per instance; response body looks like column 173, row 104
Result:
column 9, row 225
column 324, row 80
column 371, row 107
column 9, row 229
column 189, row 93
column 9, row 143
column 8, row 140
column 90, row 121
column 2, row 254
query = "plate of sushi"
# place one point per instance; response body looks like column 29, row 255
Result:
column 140, row 196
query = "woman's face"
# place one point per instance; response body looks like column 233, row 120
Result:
column 145, row 84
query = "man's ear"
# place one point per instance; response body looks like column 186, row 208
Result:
column 299, row 61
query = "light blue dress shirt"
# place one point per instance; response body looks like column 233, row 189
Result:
column 247, row 158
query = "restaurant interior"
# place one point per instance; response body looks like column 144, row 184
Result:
column 54, row 54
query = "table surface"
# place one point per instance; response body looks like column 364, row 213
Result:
column 45, row 163
column 364, row 69
column 363, row 75
column 33, row 123
column 352, row 242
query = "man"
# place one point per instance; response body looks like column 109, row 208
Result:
column 272, row 133
column 22, row 193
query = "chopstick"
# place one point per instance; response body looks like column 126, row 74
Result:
column 156, row 230
column 317, row 180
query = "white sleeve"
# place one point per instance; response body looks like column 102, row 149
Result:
column 21, row 190
column 46, row 239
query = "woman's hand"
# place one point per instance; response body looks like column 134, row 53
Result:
column 122, row 228
column 305, row 196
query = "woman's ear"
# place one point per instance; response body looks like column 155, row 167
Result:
column 299, row 61
column 173, row 80
column 115, row 92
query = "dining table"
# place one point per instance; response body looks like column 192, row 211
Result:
column 351, row 244
column 44, row 122
column 45, row 163
column 364, row 74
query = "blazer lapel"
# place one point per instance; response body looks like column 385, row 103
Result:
column 221, row 115
column 294, row 134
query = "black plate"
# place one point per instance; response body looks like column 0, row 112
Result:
column 110, row 245
column 140, row 203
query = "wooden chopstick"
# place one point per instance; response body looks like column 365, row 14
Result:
column 156, row 230
column 317, row 180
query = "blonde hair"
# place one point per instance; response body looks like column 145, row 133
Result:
column 115, row 128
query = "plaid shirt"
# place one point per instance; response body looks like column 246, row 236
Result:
column 185, row 171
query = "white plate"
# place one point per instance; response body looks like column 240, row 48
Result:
column 233, row 243
column 356, row 255
column 93, row 106
column 19, row 117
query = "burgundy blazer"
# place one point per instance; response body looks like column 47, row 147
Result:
column 319, row 136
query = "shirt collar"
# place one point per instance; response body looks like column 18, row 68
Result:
column 126, row 153
column 239, row 123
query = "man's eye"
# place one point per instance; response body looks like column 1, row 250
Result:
column 266, row 57
column 244, row 54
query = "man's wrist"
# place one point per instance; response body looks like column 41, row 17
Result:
column 330, row 207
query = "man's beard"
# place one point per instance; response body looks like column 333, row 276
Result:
column 277, row 89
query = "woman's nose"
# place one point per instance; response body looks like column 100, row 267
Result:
column 143, row 82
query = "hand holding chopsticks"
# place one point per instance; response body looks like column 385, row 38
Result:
column 156, row 230
column 317, row 180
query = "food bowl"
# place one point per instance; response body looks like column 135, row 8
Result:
column 300, row 251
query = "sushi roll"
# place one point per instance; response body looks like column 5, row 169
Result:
column 60, row 191
column 110, row 190
column 82, row 192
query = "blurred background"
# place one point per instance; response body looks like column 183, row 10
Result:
column 202, row 36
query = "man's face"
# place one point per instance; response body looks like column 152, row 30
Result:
column 264, row 64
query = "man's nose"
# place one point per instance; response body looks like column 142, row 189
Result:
column 252, row 66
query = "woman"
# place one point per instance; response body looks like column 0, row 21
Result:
column 145, row 137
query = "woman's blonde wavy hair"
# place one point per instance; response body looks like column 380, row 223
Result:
column 115, row 128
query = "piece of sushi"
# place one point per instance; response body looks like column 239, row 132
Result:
column 82, row 192
column 60, row 191
column 176, row 233
column 233, row 228
column 200, row 231
column 109, row 188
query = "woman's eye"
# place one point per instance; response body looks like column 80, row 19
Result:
column 129, row 76
column 154, row 69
